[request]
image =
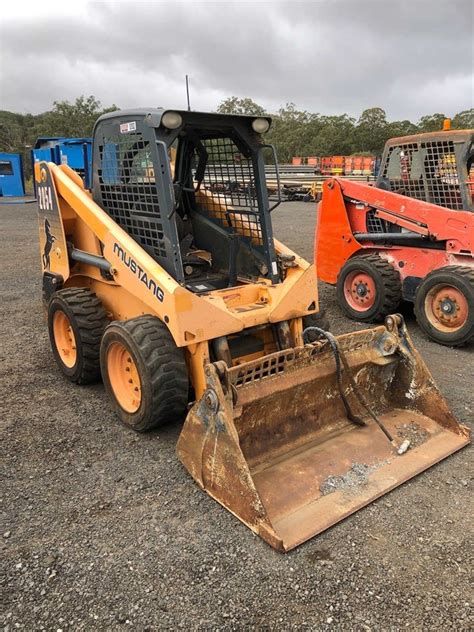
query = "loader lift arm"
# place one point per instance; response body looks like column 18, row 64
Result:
column 431, row 221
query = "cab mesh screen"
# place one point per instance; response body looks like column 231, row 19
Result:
column 425, row 171
column 375, row 224
column 128, row 190
column 228, row 192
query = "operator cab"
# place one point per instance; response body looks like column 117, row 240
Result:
column 436, row 167
column 190, row 188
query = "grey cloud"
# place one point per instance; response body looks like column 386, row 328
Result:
column 409, row 57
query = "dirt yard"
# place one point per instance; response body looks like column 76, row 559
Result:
column 104, row 529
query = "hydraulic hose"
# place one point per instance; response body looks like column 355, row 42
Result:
column 339, row 358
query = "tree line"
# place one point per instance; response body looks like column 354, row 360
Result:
column 301, row 133
column 18, row 132
column 294, row 132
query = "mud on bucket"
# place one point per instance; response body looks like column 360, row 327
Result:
column 271, row 441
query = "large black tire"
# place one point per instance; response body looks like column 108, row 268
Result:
column 380, row 282
column 447, row 315
column 81, row 311
column 161, row 376
column 318, row 319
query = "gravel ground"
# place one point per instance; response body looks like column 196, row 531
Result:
column 103, row 529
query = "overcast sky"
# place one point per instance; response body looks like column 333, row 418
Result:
column 410, row 57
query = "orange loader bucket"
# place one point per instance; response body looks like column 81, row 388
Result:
column 271, row 441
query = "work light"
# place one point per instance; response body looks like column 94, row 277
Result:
column 171, row 120
column 260, row 125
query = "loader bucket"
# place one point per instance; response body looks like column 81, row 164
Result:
column 270, row 439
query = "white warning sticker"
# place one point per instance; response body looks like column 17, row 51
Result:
column 274, row 267
column 125, row 128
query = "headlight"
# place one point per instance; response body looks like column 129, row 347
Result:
column 171, row 120
column 260, row 125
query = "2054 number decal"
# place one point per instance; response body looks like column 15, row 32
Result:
column 45, row 198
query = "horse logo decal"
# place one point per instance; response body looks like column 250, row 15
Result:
column 50, row 239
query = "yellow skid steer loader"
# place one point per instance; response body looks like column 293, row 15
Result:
column 165, row 280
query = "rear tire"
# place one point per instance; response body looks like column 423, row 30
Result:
column 144, row 373
column 368, row 288
column 76, row 322
column 444, row 305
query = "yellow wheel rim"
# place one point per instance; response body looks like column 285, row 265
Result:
column 123, row 377
column 64, row 339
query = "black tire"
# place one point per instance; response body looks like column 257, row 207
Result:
column 88, row 320
column 386, row 282
column 318, row 319
column 161, row 369
column 440, row 328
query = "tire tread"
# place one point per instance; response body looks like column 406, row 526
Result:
column 91, row 319
column 166, row 368
column 391, row 282
column 466, row 273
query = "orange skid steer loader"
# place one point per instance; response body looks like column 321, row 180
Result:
column 410, row 238
column 166, row 282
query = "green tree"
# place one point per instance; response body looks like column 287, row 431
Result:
column 334, row 136
column 371, row 131
column 431, row 122
column 74, row 120
column 236, row 105
column 463, row 120
column 287, row 132
column 12, row 131
column 401, row 128
column 16, row 136
column 297, row 132
column 18, row 132
column 294, row 132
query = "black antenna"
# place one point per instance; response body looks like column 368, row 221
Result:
column 187, row 93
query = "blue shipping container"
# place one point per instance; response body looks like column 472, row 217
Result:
column 74, row 152
column 12, row 182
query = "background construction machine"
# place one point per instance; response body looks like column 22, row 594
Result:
column 411, row 237
column 168, row 283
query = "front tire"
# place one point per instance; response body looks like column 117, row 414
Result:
column 76, row 322
column 368, row 288
column 144, row 373
column 444, row 305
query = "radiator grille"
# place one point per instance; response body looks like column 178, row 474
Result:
column 287, row 360
column 128, row 191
